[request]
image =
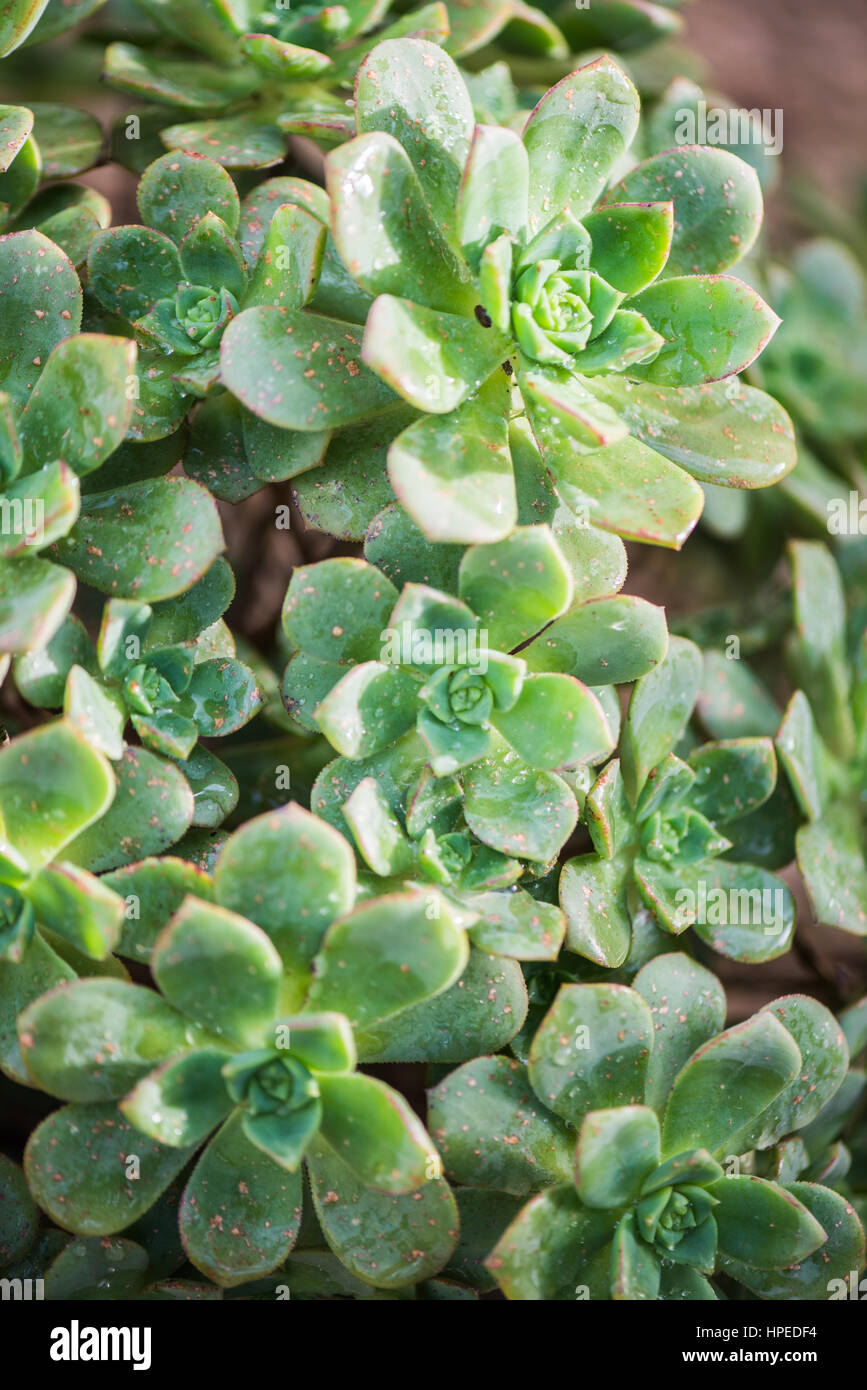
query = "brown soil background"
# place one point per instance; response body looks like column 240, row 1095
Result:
column 808, row 57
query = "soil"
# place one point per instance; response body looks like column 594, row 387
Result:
column 805, row 58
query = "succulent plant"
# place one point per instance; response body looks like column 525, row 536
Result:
column 179, row 279
column 817, row 361
column 243, row 1038
column 64, row 409
column 58, row 920
column 172, row 692
column 536, row 301
column 645, row 1074
column 47, row 142
column 26, row 22
column 658, row 824
column 265, row 70
column 469, row 793
column 820, row 738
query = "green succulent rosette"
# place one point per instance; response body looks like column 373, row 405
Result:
column 660, row 825
column 169, row 670
column 514, row 290
column 819, row 737
column 251, row 1034
column 481, row 678
column 237, row 78
column 645, row 1074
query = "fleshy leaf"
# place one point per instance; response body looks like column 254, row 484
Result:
column 40, row 302
column 444, row 358
column 151, row 809
column 236, row 142
column 493, row 1132
column 72, row 784
column 721, row 432
column 386, row 1239
column 79, row 410
column 152, row 891
column 233, row 1187
column 610, row 641
column 831, row 860
column 18, row 19
column 368, row 709
column 732, row 702
column 299, row 371
column 817, row 646
column 576, row 135
column 69, row 139
column 689, row 1008
column 762, row 1224
column 513, row 923
column 803, row 756
column 517, row 586
column 220, row 970
column 556, row 722
column 713, row 326
column 20, row 1218
column 292, row 875
column 555, row 1249
column 375, row 1133
column 727, row 1083
column 384, row 231
column 830, row 1266
column 78, row 908
column 749, row 913
column 824, row 1059
column 100, row 1197
column 494, row 190
column 413, row 91
column 148, row 541
column 480, row 1012
column 131, row 268
column 592, row 1050
column 179, row 188
column 631, row 243
column 287, row 272
column 337, row 610
column 453, row 473
column 593, row 897
column 387, row 955
column 94, row 1039
column 660, row 705
column 732, row 778
column 517, row 809
column 617, row 1149
column 717, row 204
